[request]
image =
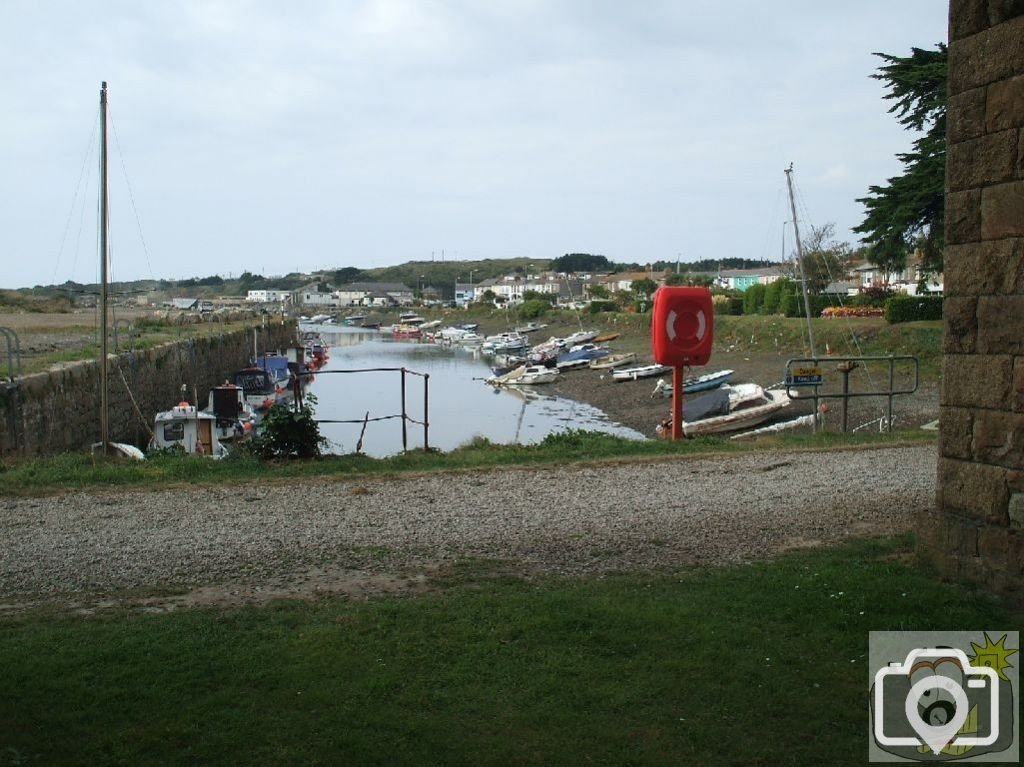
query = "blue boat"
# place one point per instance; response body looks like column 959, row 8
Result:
column 580, row 356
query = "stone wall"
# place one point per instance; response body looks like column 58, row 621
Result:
column 56, row 411
column 976, row 533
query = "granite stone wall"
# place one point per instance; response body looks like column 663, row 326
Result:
column 57, row 411
column 975, row 532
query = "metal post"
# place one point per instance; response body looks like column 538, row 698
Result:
column 892, row 376
column 800, row 259
column 678, row 373
column 405, row 443
column 846, row 368
column 104, row 255
column 426, row 411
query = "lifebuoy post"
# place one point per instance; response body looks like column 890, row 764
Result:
column 682, row 332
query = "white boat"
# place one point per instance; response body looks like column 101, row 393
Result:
column 746, row 405
column 581, row 337
column 526, row 375
column 186, row 427
column 643, row 371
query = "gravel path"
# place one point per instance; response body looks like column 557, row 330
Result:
column 584, row 519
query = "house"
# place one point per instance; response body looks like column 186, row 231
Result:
column 380, row 294
column 266, row 296
column 741, row 279
column 312, row 295
column 623, row 281
column 906, row 280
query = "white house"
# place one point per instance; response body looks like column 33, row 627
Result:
column 267, row 296
column 374, row 294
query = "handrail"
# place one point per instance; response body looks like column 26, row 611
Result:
column 812, row 376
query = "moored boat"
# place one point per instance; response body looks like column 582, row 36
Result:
column 186, row 427
column 643, row 371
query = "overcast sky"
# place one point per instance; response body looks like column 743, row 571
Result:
column 291, row 136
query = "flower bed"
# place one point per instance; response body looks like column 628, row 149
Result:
column 853, row 311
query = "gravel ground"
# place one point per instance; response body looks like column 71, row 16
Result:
column 570, row 520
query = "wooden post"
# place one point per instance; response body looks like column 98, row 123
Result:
column 678, row 373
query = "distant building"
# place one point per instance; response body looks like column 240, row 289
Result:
column 266, row 296
column 185, row 304
column 741, row 279
column 311, row 295
column 380, row 294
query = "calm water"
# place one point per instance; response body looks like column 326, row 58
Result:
column 461, row 405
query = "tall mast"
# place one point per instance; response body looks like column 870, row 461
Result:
column 104, row 258
column 800, row 258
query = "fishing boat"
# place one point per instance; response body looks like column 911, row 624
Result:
column 612, row 361
column 643, row 371
column 235, row 419
column 185, row 427
column 260, row 391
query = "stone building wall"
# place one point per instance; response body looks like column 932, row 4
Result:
column 52, row 412
column 975, row 533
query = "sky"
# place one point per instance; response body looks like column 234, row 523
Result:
column 281, row 137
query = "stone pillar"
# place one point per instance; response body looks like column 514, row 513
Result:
column 975, row 533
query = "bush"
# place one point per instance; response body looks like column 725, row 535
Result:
column 753, row 299
column 289, row 433
column 534, row 308
column 903, row 308
column 731, row 305
column 596, row 307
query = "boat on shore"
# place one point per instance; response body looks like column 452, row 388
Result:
column 526, row 375
column 612, row 361
column 728, row 408
column 642, row 371
column 580, row 356
column 695, row 384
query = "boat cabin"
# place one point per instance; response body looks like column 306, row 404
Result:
column 186, row 427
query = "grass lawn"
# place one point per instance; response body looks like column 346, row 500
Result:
column 755, row 665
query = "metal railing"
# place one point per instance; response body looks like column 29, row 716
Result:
column 366, row 419
column 814, row 372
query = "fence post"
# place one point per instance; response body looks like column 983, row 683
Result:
column 426, row 411
column 405, row 444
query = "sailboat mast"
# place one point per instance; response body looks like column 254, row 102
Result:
column 104, row 258
column 800, row 259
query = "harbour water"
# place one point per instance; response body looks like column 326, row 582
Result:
column 461, row 405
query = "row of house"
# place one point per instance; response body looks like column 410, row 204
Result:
column 567, row 289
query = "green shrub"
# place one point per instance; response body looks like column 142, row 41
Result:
column 596, row 307
column 903, row 308
column 533, row 308
column 288, row 432
column 753, row 299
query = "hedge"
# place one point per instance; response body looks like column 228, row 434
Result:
column 913, row 308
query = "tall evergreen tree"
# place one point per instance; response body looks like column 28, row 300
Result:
column 907, row 212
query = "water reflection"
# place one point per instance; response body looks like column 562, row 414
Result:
column 461, row 406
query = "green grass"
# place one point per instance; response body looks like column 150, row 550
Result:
column 72, row 471
column 751, row 665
